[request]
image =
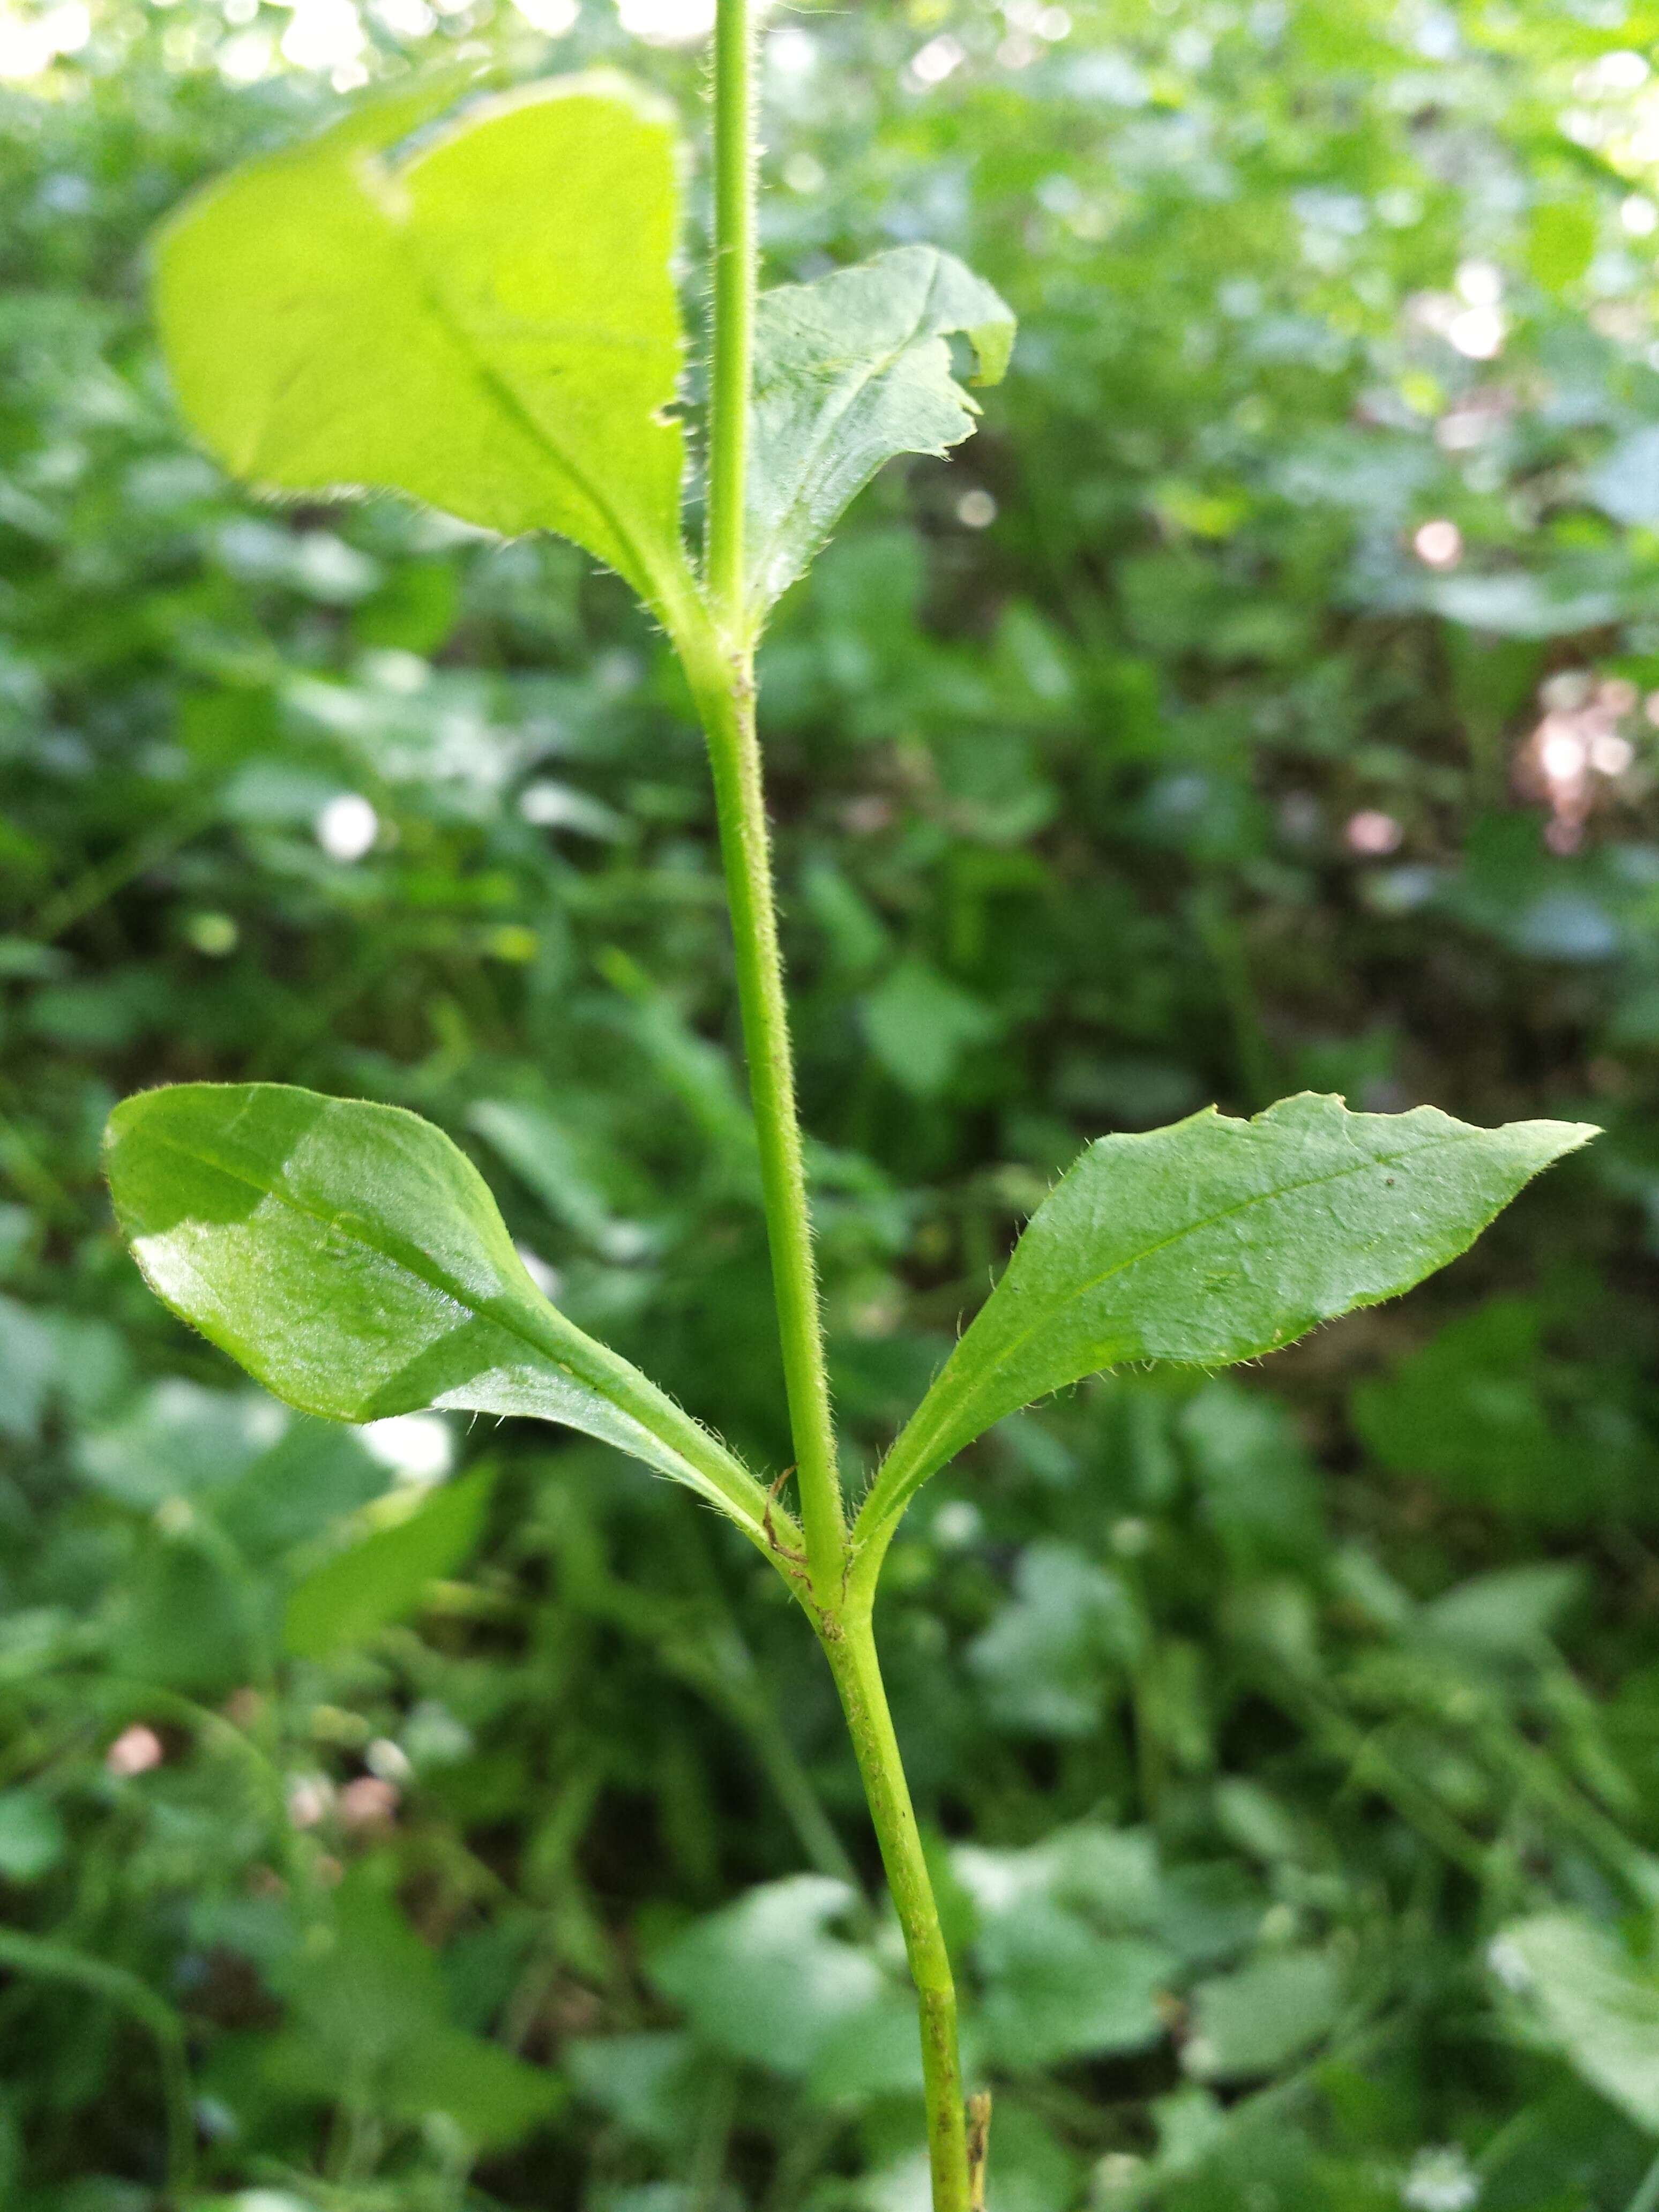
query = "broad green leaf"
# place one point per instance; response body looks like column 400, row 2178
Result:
column 353, row 1261
column 1592, row 2002
column 849, row 371
column 352, row 1597
column 1215, row 1241
column 478, row 310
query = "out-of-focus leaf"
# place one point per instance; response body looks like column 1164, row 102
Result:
column 351, row 1597
column 1260, row 1494
column 1252, row 2021
column 369, row 2020
column 1216, row 1241
column 179, row 1441
column 1509, row 1613
column 1049, row 1659
column 31, row 1838
column 1624, row 483
column 920, row 1024
column 1480, row 1411
column 1592, row 2002
column 850, row 371
column 28, row 1362
column 1056, row 1990
column 189, row 1620
column 648, row 2080
column 766, row 1981
column 479, row 311
column 353, row 1261
column 312, row 1476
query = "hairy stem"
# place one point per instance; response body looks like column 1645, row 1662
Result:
column 717, row 648
column 720, row 666
column 728, row 713
column 852, row 1661
column 736, row 258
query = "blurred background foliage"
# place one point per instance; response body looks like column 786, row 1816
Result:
column 426, row 1818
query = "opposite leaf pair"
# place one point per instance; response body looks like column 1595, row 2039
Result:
column 340, row 315
column 351, row 1258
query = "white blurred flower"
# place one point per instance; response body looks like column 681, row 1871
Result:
column 310, row 1799
column 553, row 18
column 1440, row 2180
column 348, row 826
column 936, row 60
column 31, row 44
column 1621, row 71
column 791, row 51
column 1372, row 833
column 406, row 19
column 247, row 58
column 1638, row 215
column 1561, row 750
column 1477, row 333
column 666, row 22
column 546, row 1277
column 1508, row 1962
column 135, row 1751
column 1478, row 283
column 417, row 1447
column 387, row 1759
column 322, row 34
column 1439, row 544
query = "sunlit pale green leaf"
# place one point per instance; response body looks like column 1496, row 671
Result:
column 1215, row 1241
column 478, row 311
column 353, row 1261
column 850, row 371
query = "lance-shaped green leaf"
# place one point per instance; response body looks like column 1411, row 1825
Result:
column 351, row 1258
column 479, row 311
column 1215, row 1241
column 850, row 371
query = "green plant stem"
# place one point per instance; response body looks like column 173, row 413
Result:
column 736, row 258
column 728, row 713
column 717, row 651
column 720, row 663
column 852, row 1661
